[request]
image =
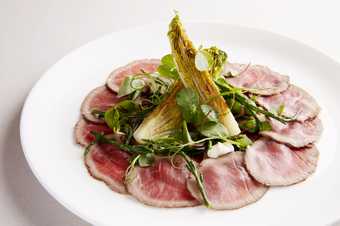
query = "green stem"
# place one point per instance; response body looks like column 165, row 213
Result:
column 243, row 100
column 131, row 167
column 191, row 166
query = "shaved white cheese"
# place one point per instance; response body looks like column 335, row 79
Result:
column 202, row 61
column 137, row 83
column 220, row 149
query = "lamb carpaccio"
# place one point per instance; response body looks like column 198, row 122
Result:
column 192, row 128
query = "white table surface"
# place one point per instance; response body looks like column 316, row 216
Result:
column 34, row 34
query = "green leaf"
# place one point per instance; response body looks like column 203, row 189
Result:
column 130, row 85
column 187, row 96
column 211, row 59
column 167, row 68
column 111, row 118
column 242, row 141
column 168, row 60
column 212, row 129
column 223, row 83
column 146, row 160
column 167, row 71
column 265, row 126
column 188, row 101
column 125, row 88
column 249, row 124
column 209, row 113
column 236, row 107
column 127, row 106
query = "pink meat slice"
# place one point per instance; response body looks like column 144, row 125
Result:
column 256, row 79
column 276, row 164
column 83, row 128
column 107, row 163
column 162, row 184
column 296, row 134
column 116, row 77
column 227, row 182
column 297, row 103
column 100, row 99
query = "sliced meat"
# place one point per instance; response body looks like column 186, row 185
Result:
column 116, row 77
column 83, row 128
column 162, row 184
column 227, row 182
column 100, row 99
column 107, row 163
column 296, row 134
column 297, row 103
column 276, row 164
column 256, row 79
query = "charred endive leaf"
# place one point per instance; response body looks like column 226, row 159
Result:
column 163, row 120
column 184, row 52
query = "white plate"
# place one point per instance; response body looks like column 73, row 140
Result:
column 52, row 109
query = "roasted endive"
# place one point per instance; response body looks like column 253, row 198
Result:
column 163, row 121
column 184, row 53
column 166, row 118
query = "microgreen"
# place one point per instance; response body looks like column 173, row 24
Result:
column 241, row 141
column 230, row 92
column 188, row 102
column 129, row 170
column 209, row 113
column 211, row 59
column 146, row 159
column 167, row 68
column 192, row 167
column 111, row 118
column 213, row 129
column 264, row 126
column 126, row 88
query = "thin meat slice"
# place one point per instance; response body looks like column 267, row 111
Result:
column 227, row 182
column 256, row 79
column 99, row 99
column 83, row 128
column 107, row 163
column 296, row 134
column 116, row 77
column 296, row 103
column 162, row 185
column 276, row 164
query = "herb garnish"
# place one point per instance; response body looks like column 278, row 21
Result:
column 167, row 68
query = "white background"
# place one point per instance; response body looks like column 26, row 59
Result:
column 35, row 34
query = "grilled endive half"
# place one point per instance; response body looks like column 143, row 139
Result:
column 184, row 52
column 164, row 120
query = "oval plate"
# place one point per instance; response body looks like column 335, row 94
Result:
column 52, row 109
